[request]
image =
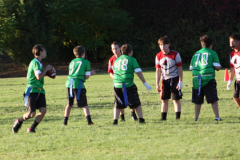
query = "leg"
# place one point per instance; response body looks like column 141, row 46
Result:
column 237, row 100
column 177, row 106
column 42, row 112
column 122, row 115
column 66, row 114
column 18, row 122
column 215, row 109
column 115, row 115
column 197, row 110
column 140, row 115
column 164, row 109
column 133, row 114
column 88, row 115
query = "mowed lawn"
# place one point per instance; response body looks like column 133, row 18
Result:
column 171, row 139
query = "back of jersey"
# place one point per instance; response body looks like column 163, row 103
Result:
column 203, row 61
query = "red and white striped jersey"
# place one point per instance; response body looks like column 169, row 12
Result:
column 235, row 63
column 168, row 64
column 111, row 63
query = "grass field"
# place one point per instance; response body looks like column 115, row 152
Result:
column 171, row 139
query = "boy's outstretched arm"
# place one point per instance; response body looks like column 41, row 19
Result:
column 140, row 75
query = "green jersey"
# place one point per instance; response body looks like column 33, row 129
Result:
column 203, row 63
column 35, row 67
column 123, row 68
column 78, row 68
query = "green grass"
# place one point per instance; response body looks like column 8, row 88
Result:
column 184, row 139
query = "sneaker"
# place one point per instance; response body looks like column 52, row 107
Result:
column 134, row 117
column 16, row 126
column 64, row 124
column 195, row 119
column 218, row 119
column 141, row 120
column 29, row 130
column 115, row 123
column 91, row 123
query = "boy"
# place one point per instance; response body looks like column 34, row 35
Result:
column 203, row 65
column 115, row 46
column 124, row 89
column 234, row 42
column 168, row 63
column 35, row 94
column 79, row 71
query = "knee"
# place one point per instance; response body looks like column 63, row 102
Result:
column 32, row 114
column 43, row 111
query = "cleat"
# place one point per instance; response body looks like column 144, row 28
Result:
column 141, row 120
column 218, row 119
column 91, row 123
column 16, row 126
column 122, row 120
column 134, row 117
column 64, row 124
column 115, row 123
column 195, row 119
column 29, row 130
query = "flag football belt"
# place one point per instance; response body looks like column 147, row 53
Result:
column 26, row 95
column 79, row 89
column 200, row 83
column 124, row 88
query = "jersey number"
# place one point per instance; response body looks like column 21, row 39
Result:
column 204, row 59
column 122, row 64
column 78, row 67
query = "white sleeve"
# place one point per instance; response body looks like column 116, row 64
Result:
column 88, row 73
column 137, row 70
column 37, row 72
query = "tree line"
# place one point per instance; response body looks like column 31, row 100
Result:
column 95, row 24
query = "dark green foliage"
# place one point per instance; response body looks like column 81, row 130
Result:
column 26, row 24
column 89, row 23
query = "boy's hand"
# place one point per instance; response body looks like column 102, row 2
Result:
column 48, row 67
column 93, row 72
column 229, row 85
column 149, row 88
column 158, row 88
column 179, row 85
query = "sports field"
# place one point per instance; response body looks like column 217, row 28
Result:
column 171, row 139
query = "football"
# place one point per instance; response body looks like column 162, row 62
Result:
column 51, row 73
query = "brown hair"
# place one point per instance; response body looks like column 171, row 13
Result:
column 116, row 43
column 37, row 49
column 164, row 40
column 78, row 51
column 206, row 41
column 126, row 49
column 235, row 37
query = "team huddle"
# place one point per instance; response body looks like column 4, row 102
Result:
column 122, row 66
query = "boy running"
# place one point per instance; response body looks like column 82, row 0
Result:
column 35, row 94
column 203, row 65
column 115, row 46
column 79, row 71
column 168, row 63
column 234, row 42
column 124, row 89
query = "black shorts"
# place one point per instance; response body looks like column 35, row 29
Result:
column 36, row 101
column 169, row 87
column 236, row 89
column 133, row 98
column 210, row 91
column 83, row 98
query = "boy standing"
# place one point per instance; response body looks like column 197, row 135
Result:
column 234, row 42
column 115, row 46
column 124, row 89
column 79, row 71
column 203, row 65
column 168, row 63
column 35, row 94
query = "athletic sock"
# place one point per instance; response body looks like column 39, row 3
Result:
column 122, row 117
column 34, row 125
column 178, row 114
column 65, row 120
column 115, row 122
column 141, row 120
column 133, row 113
column 164, row 116
column 21, row 120
column 89, row 119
